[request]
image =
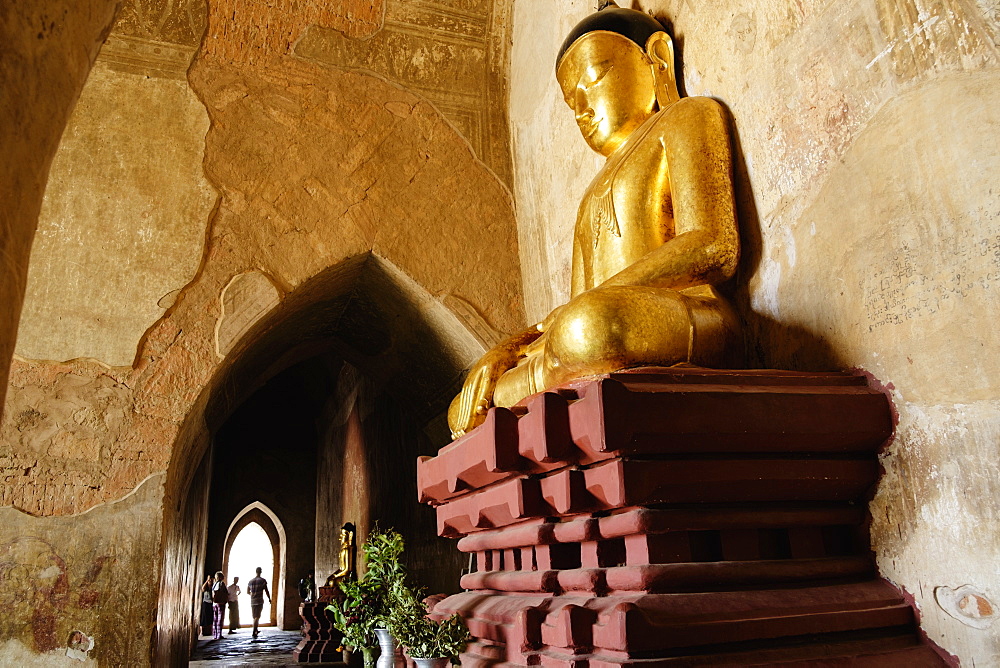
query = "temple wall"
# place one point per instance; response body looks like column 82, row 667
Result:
column 306, row 164
column 366, row 474
column 125, row 215
column 48, row 50
column 184, row 553
column 225, row 154
column 867, row 141
column 95, row 573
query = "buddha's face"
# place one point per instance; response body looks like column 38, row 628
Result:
column 607, row 81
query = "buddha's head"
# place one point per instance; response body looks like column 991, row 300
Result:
column 615, row 68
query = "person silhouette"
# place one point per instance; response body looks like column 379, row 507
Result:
column 257, row 587
column 234, row 606
column 220, row 597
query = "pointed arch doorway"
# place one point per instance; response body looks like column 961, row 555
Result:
column 256, row 538
column 331, row 395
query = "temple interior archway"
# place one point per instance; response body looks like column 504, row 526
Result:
column 316, row 419
column 248, row 548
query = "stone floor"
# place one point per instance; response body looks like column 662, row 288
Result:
column 272, row 648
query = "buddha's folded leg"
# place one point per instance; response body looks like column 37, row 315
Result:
column 607, row 329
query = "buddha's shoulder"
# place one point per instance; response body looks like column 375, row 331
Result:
column 702, row 111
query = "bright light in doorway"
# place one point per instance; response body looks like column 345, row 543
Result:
column 252, row 548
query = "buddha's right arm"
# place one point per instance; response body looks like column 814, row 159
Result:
column 705, row 245
column 469, row 408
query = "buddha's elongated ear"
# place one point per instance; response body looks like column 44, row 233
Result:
column 660, row 49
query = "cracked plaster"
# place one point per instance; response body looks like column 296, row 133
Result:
column 314, row 166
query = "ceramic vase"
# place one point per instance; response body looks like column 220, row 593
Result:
column 392, row 653
column 368, row 654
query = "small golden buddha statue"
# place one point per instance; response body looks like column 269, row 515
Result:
column 655, row 233
column 347, row 552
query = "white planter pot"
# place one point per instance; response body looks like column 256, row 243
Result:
column 431, row 663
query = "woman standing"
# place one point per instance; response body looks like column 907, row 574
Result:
column 206, row 605
column 220, row 597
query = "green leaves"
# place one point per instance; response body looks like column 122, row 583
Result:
column 365, row 604
column 360, row 612
column 382, row 551
column 381, row 599
column 422, row 636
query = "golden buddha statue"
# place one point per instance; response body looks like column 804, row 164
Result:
column 655, row 233
column 347, row 551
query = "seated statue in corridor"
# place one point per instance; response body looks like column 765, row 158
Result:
column 346, row 556
column 655, row 233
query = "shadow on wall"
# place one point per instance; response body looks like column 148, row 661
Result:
column 768, row 343
column 44, row 70
column 367, row 476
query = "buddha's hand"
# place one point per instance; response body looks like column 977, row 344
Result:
column 469, row 408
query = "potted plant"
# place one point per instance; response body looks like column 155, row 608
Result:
column 363, row 607
column 430, row 643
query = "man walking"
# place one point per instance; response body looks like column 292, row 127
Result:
column 257, row 587
column 234, row 606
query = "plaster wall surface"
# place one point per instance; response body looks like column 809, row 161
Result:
column 46, row 51
column 316, row 166
column 366, row 475
column 298, row 172
column 866, row 138
column 122, row 228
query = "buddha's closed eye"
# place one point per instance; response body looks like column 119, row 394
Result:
column 600, row 71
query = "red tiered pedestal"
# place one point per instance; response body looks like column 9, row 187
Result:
column 680, row 516
column 320, row 640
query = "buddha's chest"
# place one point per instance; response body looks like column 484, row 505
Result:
column 625, row 213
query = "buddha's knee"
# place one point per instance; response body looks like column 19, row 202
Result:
column 611, row 328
